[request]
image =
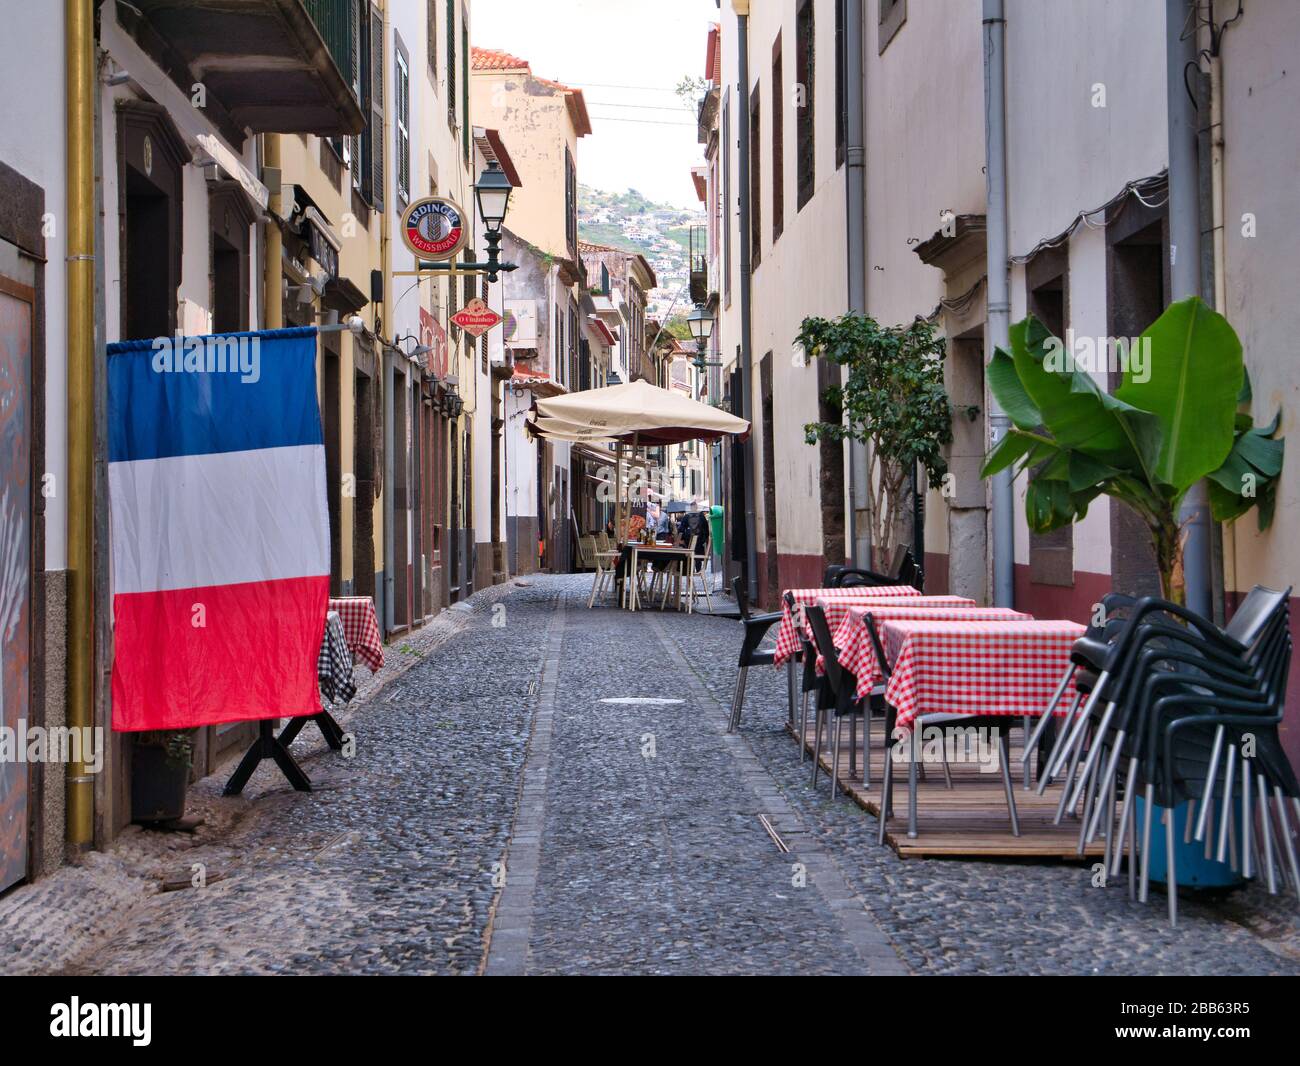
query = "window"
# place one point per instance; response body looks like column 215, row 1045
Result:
column 893, row 13
column 726, row 196
column 805, row 72
column 402, row 121
column 570, row 201
column 841, row 85
column 574, row 376
column 755, row 182
column 778, row 153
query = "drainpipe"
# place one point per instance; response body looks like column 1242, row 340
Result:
column 999, row 295
column 859, row 545
column 272, row 294
column 80, row 269
column 741, row 8
column 1229, row 536
column 1185, row 269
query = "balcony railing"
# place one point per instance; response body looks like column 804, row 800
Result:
column 333, row 18
column 273, row 66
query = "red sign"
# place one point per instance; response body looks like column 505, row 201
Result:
column 476, row 318
column 434, row 228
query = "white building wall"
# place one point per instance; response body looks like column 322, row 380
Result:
column 1261, row 130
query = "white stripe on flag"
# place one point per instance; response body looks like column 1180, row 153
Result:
column 174, row 526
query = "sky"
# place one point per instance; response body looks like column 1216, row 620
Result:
column 627, row 56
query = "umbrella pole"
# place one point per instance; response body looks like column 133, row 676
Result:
column 618, row 494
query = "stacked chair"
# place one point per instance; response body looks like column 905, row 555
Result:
column 1172, row 709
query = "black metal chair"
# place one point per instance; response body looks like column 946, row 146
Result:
column 807, row 655
column 903, row 570
column 756, row 627
column 837, row 699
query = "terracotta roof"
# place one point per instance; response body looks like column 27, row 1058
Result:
column 495, row 59
column 713, row 56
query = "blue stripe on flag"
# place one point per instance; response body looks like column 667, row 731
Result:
column 228, row 392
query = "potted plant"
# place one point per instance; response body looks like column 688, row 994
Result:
column 1178, row 417
column 160, row 774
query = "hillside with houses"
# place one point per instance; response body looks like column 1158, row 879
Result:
column 660, row 232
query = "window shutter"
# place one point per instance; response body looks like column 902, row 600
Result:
column 376, row 109
column 451, row 62
column 433, row 41
column 352, row 153
column 464, row 84
column 402, row 91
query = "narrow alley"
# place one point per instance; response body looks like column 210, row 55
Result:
column 553, row 792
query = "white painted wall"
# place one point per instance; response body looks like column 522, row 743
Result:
column 1262, row 160
column 1063, row 153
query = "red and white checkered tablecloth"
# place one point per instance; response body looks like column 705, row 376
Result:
column 970, row 668
column 837, row 608
column 787, row 641
column 361, row 628
column 853, row 641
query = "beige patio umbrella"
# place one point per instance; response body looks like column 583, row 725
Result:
column 637, row 413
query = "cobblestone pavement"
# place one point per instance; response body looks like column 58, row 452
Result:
column 515, row 805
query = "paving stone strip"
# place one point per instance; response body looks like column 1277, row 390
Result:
column 512, row 915
column 860, row 929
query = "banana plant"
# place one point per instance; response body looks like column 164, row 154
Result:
column 1179, row 420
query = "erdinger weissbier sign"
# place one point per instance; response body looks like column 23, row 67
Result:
column 434, row 228
column 219, row 528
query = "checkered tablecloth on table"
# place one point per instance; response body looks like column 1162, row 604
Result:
column 982, row 668
column 853, row 641
column 787, row 635
column 334, row 662
column 361, row 628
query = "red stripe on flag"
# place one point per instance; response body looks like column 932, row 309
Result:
column 253, row 655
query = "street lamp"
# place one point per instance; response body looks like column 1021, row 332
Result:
column 493, row 195
column 681, row 467
column 701, row 325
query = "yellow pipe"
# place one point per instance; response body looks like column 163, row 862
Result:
column 81, row 403
column 272, row 300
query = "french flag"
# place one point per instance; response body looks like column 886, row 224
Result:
column 219, row 528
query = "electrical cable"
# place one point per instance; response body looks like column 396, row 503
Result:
column 1151, row 186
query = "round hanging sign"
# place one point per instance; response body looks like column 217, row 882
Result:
column 434, row 228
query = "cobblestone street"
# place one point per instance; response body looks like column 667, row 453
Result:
column 552, row 791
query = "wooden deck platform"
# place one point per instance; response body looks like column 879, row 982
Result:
column 970, row 819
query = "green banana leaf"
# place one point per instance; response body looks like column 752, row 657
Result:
column 1192, row 385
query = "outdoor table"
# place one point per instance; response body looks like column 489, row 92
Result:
column 630, row 557
column 360, row 628
column 787, row 633
column 351, row 631
column 853, row 645
column 975, row 668
column 972, row 670
column 334, row 672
